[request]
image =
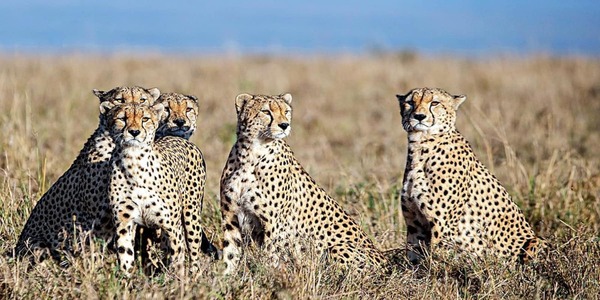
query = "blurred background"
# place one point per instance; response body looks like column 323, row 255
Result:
column 468, row 27
column 530, row 69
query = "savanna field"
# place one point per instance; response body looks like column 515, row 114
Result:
column 533, row 121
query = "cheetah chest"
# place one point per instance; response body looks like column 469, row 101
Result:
column 415, row 189
column 136, row 192
column 244, row 185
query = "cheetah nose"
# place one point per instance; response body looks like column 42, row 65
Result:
column 179, row 122
column 420, row 117
column 284, row 125
column 134, row 132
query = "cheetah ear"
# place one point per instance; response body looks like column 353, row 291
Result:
column 193, row 98
column 287, row 97
column 401, row 98
column 154, row 92
column 160, row 111
column 98, row 93
column 241, row 100
column 105, row 106
column 457, row 100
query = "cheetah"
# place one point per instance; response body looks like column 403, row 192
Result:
column 154, row 183
column 77, row 200
column 182, row 114
column 448, row 196
column 267, row 197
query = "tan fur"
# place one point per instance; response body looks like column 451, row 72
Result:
column 267, row 197
column 77, row 202
column 448, row 195
column 182, row 113
column 158, row 184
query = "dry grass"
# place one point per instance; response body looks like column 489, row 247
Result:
column 533, row 121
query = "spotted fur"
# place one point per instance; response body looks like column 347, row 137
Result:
column 158, row 184
column 182, row 114
column 448, row 196
column 267, row 197
column 77, row 202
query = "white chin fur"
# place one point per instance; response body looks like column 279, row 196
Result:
column 420, row 127
column 133, row 143
column 281, row 134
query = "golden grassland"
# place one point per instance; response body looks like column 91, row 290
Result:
column 533, row 121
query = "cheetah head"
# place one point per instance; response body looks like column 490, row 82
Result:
column 429, row 110
column 182, row 111
column 264, row 117
column 134, row 124
column 126, row 94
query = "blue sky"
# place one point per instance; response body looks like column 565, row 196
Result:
column 458, row 27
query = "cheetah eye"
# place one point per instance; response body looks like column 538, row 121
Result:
column 188, row 109
column 145, row 119
column 288, row 111
column 142, row 99
column 265, row 111
column 435, row 103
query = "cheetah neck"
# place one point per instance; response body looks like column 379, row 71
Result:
column 251, row 150
column 415, row 137
column 102, row 123
column 134, row 160
column 421, row 138
column 421, row 144
column 98, row 148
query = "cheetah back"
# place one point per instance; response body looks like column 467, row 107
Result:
column 292, row 204
column 185, row 162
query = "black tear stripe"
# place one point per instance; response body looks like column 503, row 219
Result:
column 432, row 114
column 272, row 119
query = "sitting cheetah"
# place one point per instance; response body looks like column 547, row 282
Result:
column 448, row 196
column 155, row 183
column 77, row 200
column 182, row 114
column 268, row 197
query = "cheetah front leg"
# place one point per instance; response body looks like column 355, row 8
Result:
column 176, row 244
column 125, row 228
column 168, row 219
column 232, row 237
column 149, row 239
column 196, row 240
column 418, row 231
